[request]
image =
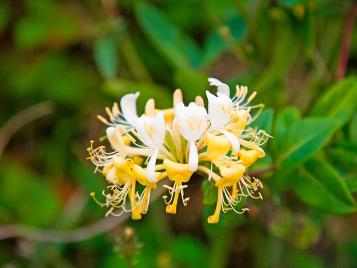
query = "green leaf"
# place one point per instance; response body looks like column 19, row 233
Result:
column 352, row 185
column 303, row 140
column 180, row 50
column 284, row 120
column 353, row 129
column 330, row 178
column 265, row 120
column 209, row 192
column 339, row 101
column 319, row 185
column 345, row 156
column 106, row 56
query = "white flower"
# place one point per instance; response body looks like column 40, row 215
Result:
column 115, row 138
column 220, row 111
column 151, row 130
column 221, row 87
column 128, row 106
column 192, row 123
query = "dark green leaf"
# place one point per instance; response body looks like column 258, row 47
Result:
column 339, row 101
column 170, row 41
column 353, row 129
column 319, row 185
column 106, row 56
column 352, row 185
column 330, row 178
column 304, row 139
column 284, row 120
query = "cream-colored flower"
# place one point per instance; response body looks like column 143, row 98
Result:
column 176, row 142
column 192, row 123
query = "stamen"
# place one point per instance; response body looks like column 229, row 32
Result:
column 115, row 109
column 103, row 120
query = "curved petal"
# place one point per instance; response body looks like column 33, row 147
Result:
column 233, row 140
column 221, row 87
column 219, row 110
column 128, row 106
column 193, row 157
column 151, row 130
column 191, row 119
column 114, row 138
column 142, row 127
column 150, row 169
column 159, row 130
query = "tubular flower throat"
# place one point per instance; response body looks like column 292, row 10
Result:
column 173, row 144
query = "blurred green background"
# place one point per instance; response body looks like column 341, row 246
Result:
column 62, row 62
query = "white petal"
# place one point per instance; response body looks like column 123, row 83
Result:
column 128, row 106
column 180, row 111
column 233, row 140
column 219, row 110
column 151, row 130
column 159, row 130
column 150, row 169
column 221, row 87
column 191, row 119
column 114, row 138
column 193, row 157
column 143, row 123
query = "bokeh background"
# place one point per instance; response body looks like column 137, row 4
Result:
column 62, row 62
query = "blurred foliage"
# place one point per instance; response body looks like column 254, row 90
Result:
column 83, row 55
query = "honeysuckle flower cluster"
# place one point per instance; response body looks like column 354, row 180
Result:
column 173, row 144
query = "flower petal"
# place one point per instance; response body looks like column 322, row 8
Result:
column 159, row 130
column 221, row 87
column 219, row 110
column 115, row 138
column 151, row 130
column 233, row 140
column 150, row 169
column 128, row 106
column 193, row 157
column 191, row 119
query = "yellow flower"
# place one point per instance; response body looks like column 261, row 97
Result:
column 179, row 174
